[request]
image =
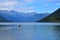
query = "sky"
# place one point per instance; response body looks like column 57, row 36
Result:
column 40, row 6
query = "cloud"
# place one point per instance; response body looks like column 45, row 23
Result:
column 58, row 4
column 11, row 3
column 51, row 0
column 8, row 5
column 46, row 4
column 29, row 1
column 26, row 9
column 16, row 5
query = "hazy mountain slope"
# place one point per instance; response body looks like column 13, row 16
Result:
column 7, row 16
column 3, row 19
column 22, row 17
column 36, row 17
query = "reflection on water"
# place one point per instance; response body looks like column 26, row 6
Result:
column 30, row 32
column 7, row 27
column 8, row 32
column 57, row 31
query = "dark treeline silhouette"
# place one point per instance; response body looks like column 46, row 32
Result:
column 53, row 17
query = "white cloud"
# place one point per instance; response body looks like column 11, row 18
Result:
column 46, row 4
column 51, row 0
column 29, row 1
column 7, row 8
column 26, row 9
column 15, row 5
column 8, row 5
column 58, row 4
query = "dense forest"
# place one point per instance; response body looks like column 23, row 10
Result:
column 53, row 17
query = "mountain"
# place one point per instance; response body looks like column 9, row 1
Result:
column 3, row 19
column 53, row 17
column 36, row 17
column 22, row 17
column 19, row 17
column 5, row 14
column 11, row 15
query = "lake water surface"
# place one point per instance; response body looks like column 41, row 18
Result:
column 30, row 32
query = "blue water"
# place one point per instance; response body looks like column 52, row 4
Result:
column 30, row 32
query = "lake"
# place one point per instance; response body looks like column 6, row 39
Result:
column 40, row 31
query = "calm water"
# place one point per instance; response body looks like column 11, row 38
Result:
column 30, row 32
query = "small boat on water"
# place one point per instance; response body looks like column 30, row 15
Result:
column 19, row 25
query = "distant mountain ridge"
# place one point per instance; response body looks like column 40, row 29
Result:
column 22, row 17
